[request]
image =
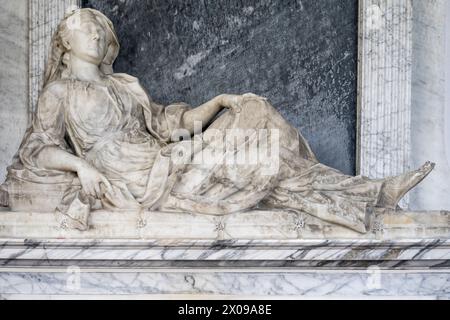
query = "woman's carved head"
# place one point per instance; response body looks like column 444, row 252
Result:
column 87, row 34
column 84, row 37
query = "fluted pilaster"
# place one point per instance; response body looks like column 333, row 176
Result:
column 384, row 106
column 44, row 18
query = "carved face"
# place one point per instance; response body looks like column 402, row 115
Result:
column 88, row 40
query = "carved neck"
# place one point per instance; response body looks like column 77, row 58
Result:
column 85, row 71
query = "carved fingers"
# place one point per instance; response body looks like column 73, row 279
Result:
column 237, row 102
column 233, row 102
column 92, row 181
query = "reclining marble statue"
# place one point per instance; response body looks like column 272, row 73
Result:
column 99, row 141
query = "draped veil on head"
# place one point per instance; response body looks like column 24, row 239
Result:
column 58, row 64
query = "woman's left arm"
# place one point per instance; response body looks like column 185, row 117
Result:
column 206, row 112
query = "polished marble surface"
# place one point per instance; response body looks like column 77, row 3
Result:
column 58, row 269
column 325, row 254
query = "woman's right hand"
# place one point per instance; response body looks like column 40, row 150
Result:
column 91, row 180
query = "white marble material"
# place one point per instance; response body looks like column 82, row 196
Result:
column 404, row 101
column 225, row 265
column 193, row 269
column 13, row 79
column 447, row 84
column 285, row 254
column 44, row 18
column 27, row 27
column 258, row 224
column 98, row 140
column 431, row 101
column 251, row 283
column 385, row 87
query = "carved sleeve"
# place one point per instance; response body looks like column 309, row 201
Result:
column 163, row 121
column 160, row 121
column 48, row 129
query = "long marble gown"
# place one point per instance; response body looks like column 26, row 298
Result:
column 117, row 128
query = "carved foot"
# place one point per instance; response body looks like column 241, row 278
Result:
column 395, row 188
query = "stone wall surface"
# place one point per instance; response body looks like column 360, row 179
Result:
column 431, row 102
column 13, row 78
column 45, row 16
column 302, row 55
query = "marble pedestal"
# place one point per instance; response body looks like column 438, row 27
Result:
column 162, row 255
column 224, row 269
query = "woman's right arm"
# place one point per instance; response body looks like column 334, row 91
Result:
column 54, row 158
column 45, row 147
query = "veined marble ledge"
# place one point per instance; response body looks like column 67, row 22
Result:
column 254, row 239
column 226, row 254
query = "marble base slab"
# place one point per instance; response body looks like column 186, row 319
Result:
column 259, row 254
column 169, row 269
column 253, row 225
column 207, row 284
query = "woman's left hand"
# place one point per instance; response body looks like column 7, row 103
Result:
column 235, row 102
column 232, row 102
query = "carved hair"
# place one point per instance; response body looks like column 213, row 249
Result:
column 58, row 64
